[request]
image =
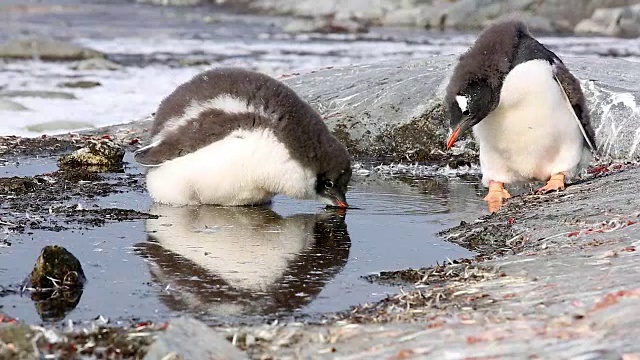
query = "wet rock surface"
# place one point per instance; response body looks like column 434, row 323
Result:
column 97, row 156
column 545, row 15
column 39, row 94
column 56, row 267
column 186, row 338
column 395, row 111
column 9, row 105
column 46, row 49
column 94, row 340
column 620, row 21
column 554, row 273
column 45, row 201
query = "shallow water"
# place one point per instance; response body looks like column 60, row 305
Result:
column 238, row 264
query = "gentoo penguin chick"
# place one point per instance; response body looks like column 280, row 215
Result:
column 231, row 136
column 528, row 113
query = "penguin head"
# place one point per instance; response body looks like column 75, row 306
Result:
column 331, row 186
column 471, row 103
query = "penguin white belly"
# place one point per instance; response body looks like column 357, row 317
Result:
column 244, row 168
column 533, row 133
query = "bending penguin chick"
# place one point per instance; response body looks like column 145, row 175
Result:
column 527, row 111
column 231, row 136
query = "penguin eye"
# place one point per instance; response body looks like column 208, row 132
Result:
column 328, row 184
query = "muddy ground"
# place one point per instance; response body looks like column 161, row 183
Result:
column 555, row 277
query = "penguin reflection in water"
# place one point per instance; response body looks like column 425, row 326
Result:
column 236, row 137
column 527, row 111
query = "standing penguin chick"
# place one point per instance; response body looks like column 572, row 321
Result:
column 528, row 113
column 236, row 137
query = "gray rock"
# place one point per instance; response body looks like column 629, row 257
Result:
column 621, row 21
column 395, row 111
column 324, row 25
column 98, row 156
column 404, row 16
column 172, row 2
column 20, row 337
column 535, row 23
column 82, row 84
column 95, row 64
column 186, row 338
column 58, row 125
column 367, row 10
column 388, row 109
column 46, row 49
column 39, row 94
column 557, row 15
column 9, row 105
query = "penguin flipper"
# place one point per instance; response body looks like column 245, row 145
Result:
column 576, row 101
column 149, row 156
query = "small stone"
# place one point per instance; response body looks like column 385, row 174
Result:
column 46, row 49
column 187, row 338
column 56, row 262
column 9, row 105
column 20, row 337
column 57, row 282
column 99, row 156
column 325, row 26
column 621, row 21
column 172, row 2
column 82, row 84
column 211, row 19
column 402, row 17
column 44, row 94
column 95, row 64
column 59, row 125
column 193, row 62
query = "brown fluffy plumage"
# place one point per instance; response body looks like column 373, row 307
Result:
column 293, row 121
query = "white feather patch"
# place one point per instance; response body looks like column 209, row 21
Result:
column 225, row 102
column 462, row 102
column 244, row 168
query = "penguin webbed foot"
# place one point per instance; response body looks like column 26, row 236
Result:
column 555, row 183
column 496, row 196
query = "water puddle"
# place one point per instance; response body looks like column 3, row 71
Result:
column 27, row 167
column 241, row 264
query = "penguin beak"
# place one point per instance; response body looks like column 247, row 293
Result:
column 337, row 198
column 465, row 124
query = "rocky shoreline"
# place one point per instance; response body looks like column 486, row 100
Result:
column 604, row 17
column 555, row 274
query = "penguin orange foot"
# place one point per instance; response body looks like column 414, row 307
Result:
column 495, row 197
column 556, row 183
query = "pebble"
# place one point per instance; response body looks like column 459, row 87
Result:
column 95, row 64
column 187, row 338
column 45, row 49
column 9, row 105
column 44, row 94
column 83, row 84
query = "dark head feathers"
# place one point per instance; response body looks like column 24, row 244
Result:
column 489, row 59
